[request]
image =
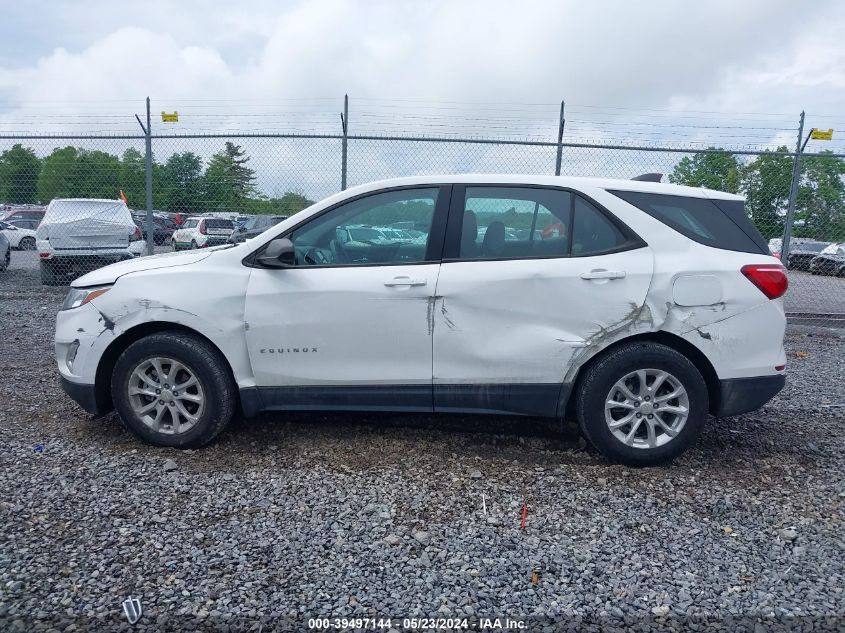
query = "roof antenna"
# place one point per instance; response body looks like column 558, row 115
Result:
column 653, row 177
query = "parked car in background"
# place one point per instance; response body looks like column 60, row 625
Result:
column 199, row 232
column 78, row 235
column 21, row 239
column 802, row 251
column 163, row 227
column 5, row 252
column 253, row 226
column 775, row 245
column 831, row 261
column 24, row 224
column 28, row 212
column 660, row 305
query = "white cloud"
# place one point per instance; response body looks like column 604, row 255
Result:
column 248, row 58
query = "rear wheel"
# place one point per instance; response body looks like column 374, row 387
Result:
column 193, row 245
column 642, row 404
column 173, row 389
column 49, row 276
column 27, row 244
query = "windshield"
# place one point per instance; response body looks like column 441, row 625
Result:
column 364, row 235
column 830, row 250
column 217, row 223
column 813, row 247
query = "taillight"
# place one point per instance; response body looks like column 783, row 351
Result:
column 203, row 230
column 136, row 235
column 769, row 278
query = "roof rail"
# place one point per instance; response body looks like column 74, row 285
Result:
column 648, row 177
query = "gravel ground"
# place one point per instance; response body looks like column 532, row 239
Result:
column 297, row 516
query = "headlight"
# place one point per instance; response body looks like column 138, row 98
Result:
column 80, row 296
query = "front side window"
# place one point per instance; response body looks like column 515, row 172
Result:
column 363, row 231
column 190, row 224
column 514, row 223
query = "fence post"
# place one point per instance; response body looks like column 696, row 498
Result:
column 793, row 195
column 344, row 119
column 560, row 125
column 149, row 142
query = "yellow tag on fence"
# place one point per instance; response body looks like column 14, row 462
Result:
column 821, row 135
column 173, row 117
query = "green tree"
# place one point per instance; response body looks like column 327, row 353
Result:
column 71, row 172
column 19, row 167
column 229, row 182
column 766, row 181
column 183, row 183
column 720, row 171
column 56, row 179
column 820, row 206
column 290, row 203
column 132, row 178
column 97, row 174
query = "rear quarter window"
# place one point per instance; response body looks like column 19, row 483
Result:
column 718, row 223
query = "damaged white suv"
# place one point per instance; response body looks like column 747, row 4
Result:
column 635, row 307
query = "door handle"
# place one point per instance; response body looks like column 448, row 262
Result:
column 600, row 273
column 404, row 281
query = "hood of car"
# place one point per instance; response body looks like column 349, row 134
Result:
column 109, row 274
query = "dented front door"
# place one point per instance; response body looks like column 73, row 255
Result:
column 348, row 326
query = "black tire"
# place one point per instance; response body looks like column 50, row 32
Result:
column 601, row 376
column 211, row 370
column 7, row 260
column 26, row 244
column 193, row 245
column 48, row 274
column 173, row 244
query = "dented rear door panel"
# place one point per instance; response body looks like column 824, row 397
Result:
column 527, row 321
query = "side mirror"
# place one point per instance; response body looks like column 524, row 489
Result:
column 277, row 254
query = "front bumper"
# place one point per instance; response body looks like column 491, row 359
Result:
column 84, row 395
column 741, row 395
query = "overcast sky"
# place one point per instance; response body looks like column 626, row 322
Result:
column 622, row 66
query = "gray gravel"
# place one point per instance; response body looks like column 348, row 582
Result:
column 291, row 517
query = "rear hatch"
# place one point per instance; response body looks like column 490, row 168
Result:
column 88, row 225
column 219, row 226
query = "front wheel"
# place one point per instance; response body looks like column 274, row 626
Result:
column 174, row 389
column 642, row 404
column 173, row 244
column 27, row 244
column 193, row 245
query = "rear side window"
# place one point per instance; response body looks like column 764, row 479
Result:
column 717, row 223
column 592, row 232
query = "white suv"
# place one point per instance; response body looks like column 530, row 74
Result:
column 78, row 235
column 199, row 232
column 635, row 307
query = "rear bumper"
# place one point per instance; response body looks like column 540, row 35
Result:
column 741, row 395
column 84, row 395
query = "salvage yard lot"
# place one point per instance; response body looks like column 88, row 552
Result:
column 298, row 516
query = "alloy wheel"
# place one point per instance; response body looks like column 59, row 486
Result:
column 166, row 395
column 646, row 408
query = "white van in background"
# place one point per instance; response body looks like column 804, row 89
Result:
column 78, row 235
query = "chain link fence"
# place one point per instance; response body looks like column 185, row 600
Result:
column 204, row 187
